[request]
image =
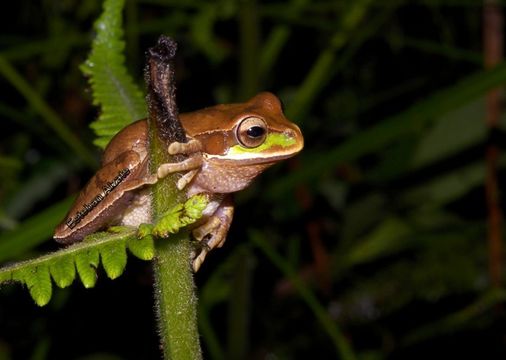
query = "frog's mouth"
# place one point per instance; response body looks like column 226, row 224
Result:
column 240, row 161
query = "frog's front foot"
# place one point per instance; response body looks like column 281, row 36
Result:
column 191, row 164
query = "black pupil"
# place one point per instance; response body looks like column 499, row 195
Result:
column 255, row 131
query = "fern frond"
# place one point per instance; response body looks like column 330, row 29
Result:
column 120, row 99
column 61, row 265
column 108, row 248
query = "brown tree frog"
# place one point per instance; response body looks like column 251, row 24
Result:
column 229, row 145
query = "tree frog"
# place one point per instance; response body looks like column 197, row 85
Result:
column 229, row 145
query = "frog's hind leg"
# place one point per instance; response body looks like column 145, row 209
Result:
column 213, row 233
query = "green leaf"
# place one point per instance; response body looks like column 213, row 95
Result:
column 144, row 230
column 332, row 329
column 37, row 280
column 170, row 222
column 5, row 277
column 436, row 144
column 194, row 207
column 87, row 264
column 33, row 231
column 114, row 90
column 389, row 236
column 40, row 285
column 180, row 216
column 51, row 118
column 203, row 34
column 143, row 248
column 63, row 271
column 114, row 258
column 109, row 247
column 84, row 256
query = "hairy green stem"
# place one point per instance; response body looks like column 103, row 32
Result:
column 174, row 286
column 239, row 306
column 176, row 299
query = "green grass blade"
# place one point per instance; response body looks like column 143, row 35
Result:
column 51, row 118
column 374, row 138
column 32, row 231
column 343, row 348
column 320, row 72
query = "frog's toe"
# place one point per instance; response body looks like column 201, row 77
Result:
column 186, row 179
column 208, row 228
column 189, row 147
column 193, row 162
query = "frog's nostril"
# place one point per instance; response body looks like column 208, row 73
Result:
column 293, row 132
column 289, row 133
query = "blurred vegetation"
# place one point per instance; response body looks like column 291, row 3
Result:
column 372, row 244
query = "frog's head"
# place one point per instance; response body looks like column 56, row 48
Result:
column 254, row 132
column 263, row 133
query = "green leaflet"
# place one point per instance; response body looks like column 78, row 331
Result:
column 63, row 271
column 193, row 208
column 108, row 248
column 143, row 247
column 61, row 265
column 180, row 215
column 114, row 259
column 86, row 265
column 114, row 90
column 169, row 222
column 39, row 284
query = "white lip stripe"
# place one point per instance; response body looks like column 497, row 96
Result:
column 250, row 159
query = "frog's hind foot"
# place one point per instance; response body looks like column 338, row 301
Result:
column 212, row 234
column 198, row 260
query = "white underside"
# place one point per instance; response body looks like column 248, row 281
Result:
column 139, row 212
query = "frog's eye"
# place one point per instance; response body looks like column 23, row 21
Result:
column 251, row 132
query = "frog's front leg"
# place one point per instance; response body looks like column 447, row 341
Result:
column 212, row 234
column 191, row 164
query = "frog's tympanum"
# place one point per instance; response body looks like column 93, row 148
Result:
column 229, row 145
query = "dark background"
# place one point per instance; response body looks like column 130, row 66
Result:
column 383, row 217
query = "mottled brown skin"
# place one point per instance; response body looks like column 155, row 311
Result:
column 214, row 129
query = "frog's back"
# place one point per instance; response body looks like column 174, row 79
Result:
column 108, row 192
column 133, row 137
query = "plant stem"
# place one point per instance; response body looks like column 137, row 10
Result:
column 343, row 347
column 493, row 48
column 174, row 286
column 176, row 301
column 239, row 306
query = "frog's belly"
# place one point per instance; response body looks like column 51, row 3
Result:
column 139, row 211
